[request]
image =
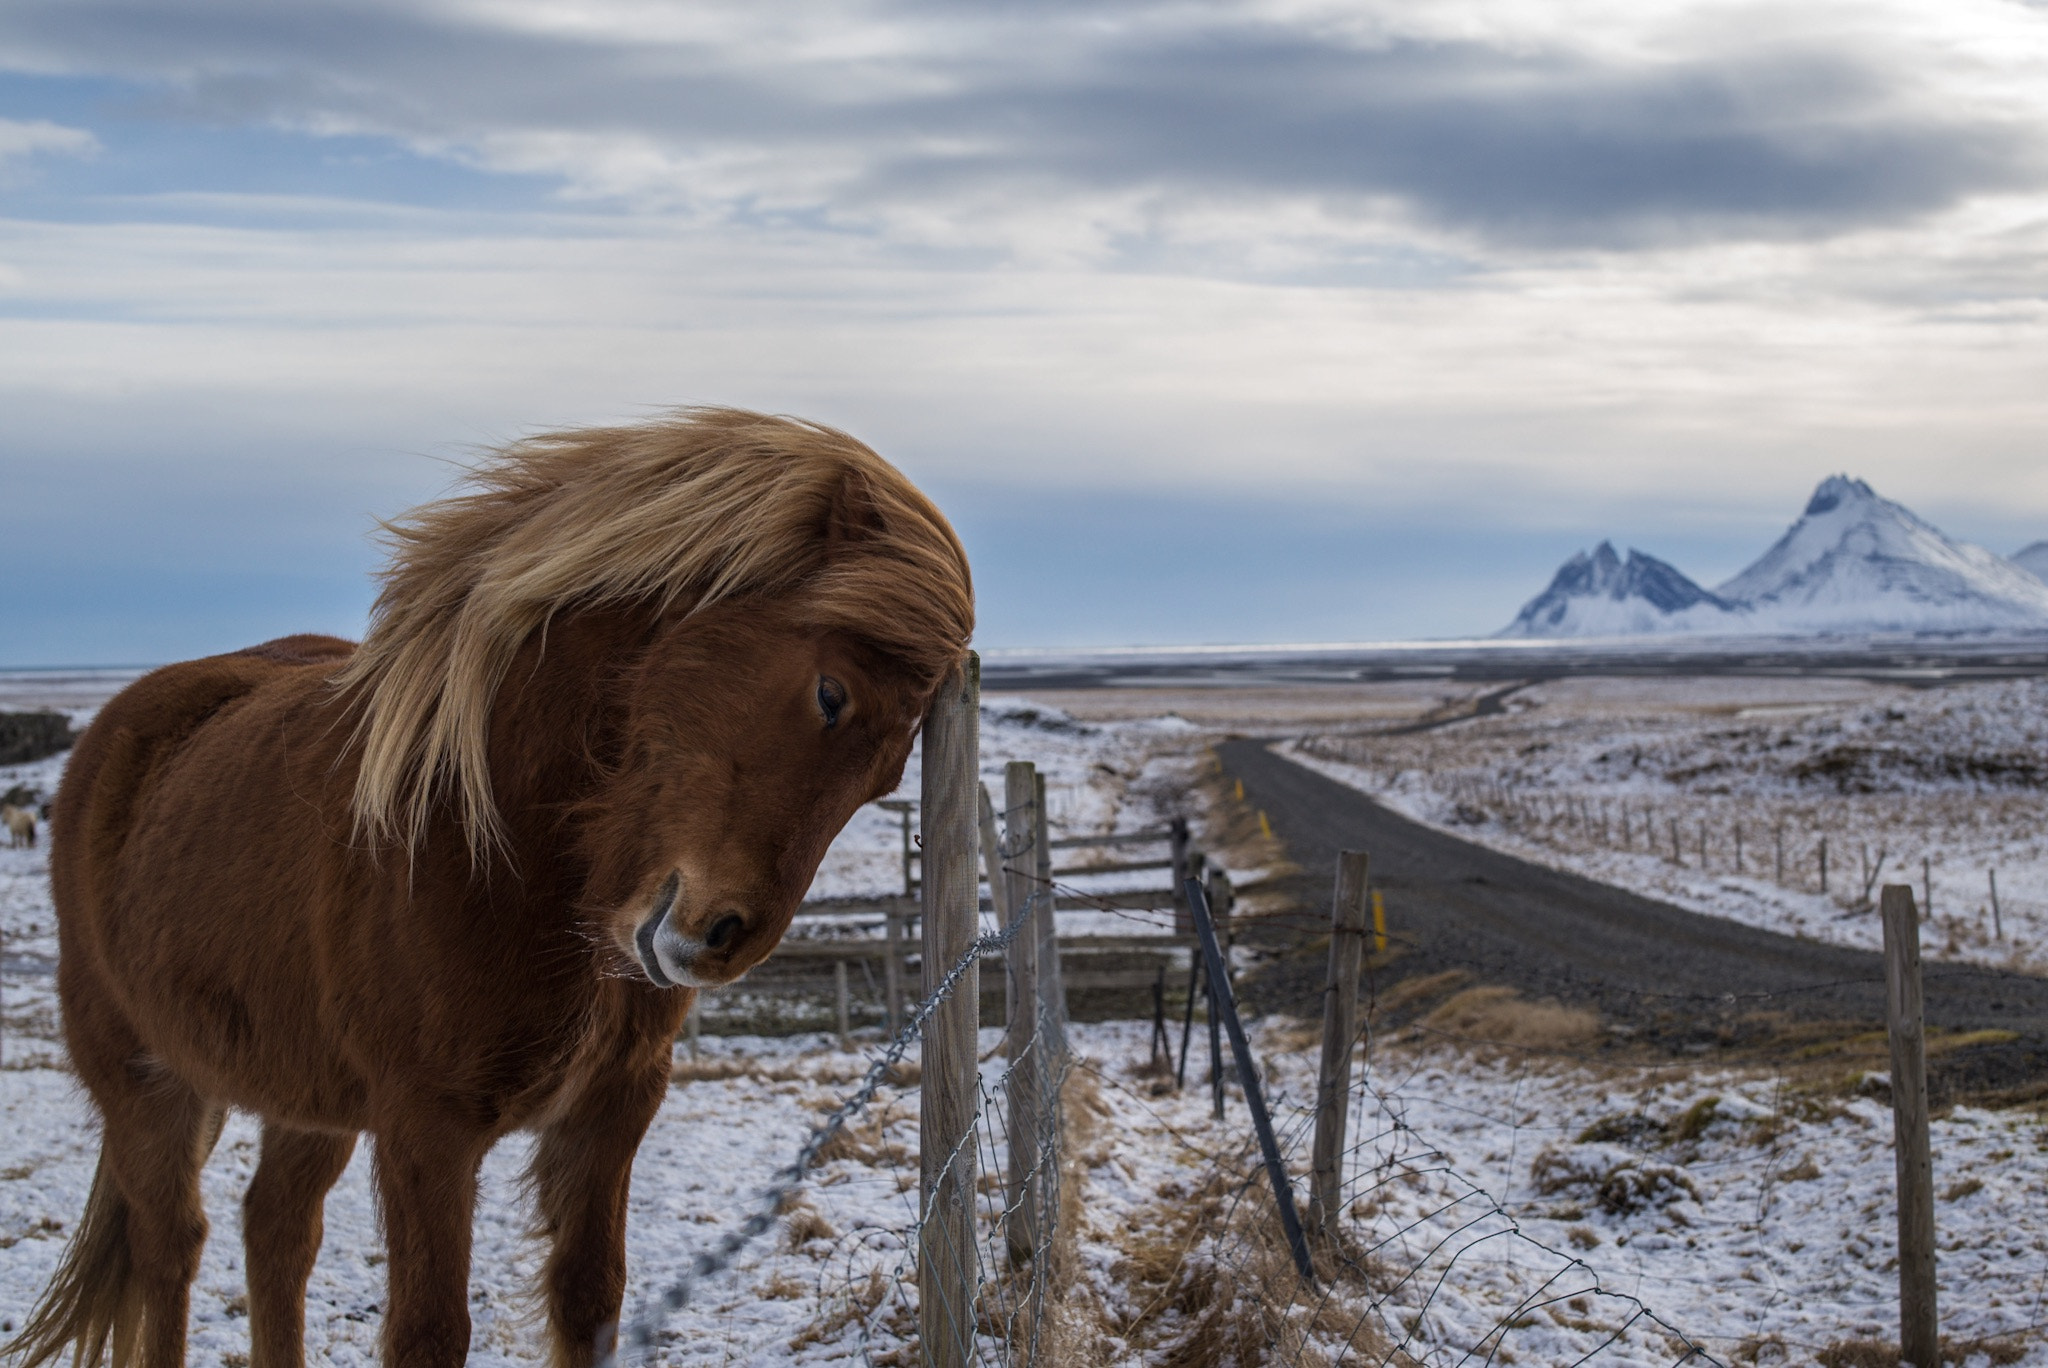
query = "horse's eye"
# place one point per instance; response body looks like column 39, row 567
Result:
column 831, row 698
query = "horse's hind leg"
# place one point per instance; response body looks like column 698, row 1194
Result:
column 281, row 1228
column 158, row 1134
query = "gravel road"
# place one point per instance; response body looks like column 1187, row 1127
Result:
column 1660, row 972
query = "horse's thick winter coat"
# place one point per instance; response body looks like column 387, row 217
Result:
column 463, row 880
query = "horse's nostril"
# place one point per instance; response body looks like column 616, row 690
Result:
column 722, row 931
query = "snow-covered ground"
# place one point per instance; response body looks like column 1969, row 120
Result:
column 1594, row 775
column 1745, row 1212
column 1748, row 1212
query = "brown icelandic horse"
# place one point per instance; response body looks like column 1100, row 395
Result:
column 466, row 878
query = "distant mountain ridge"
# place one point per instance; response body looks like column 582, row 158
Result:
column 1852, row 562
column 1599, row 594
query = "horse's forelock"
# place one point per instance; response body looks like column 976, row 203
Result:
column 705, row 506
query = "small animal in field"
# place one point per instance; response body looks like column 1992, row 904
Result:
column 467, row 878
column 20, row 824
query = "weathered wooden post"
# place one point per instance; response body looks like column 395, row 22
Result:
column 1340, row 1025
column 947, row 1267
column 1051, row 977
column 1738, row 847
column 1919, row 1335
column 892, row 962
column 992, row 859
column 1183, row 917
column 1997, row 925
column 1927, row 887
column 1823, row 864
column 1780, row 834
column 903, row 807
column 1023, row 1087
column 844, row 1014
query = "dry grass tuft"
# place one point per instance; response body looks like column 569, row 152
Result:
column 1495, row 1016
column 719, row 1070
column 804, row 1223
column 1418, row 989
column 863, row 1142
column 856, row 1303
column 1212, row 1276
column 1871, row 1353
column 782, row 1287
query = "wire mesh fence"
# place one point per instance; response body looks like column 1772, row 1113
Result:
column 1426, row 1267
column 974, row 1271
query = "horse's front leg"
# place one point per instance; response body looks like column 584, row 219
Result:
column 582, row 1169
column 427, row 1164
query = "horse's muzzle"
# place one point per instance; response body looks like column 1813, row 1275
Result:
column 664, row 953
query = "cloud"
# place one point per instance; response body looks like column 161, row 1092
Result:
column 1135, row 126
column 21, row 140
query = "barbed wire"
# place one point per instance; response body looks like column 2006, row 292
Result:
column 641, row 1334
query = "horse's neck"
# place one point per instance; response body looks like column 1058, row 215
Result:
column 556, row 722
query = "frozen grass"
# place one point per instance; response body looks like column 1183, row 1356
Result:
column 1750, row 1210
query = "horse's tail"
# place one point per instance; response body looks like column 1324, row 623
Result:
column 93, row 1302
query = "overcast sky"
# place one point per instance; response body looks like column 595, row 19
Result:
column 1206, row 322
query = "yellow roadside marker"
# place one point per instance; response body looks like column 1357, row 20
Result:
column 1240, row 790
column 1379, row 923
column 1265, row 827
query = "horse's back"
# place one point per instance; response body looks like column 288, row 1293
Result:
column 143, row 730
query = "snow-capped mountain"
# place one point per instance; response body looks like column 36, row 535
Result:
column 1857, row 562
column 1598, row 594
column 1853, row 562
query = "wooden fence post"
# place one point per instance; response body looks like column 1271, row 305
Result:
column 1997, row 924
column 844, row 1013
column 1022, row 1046
column 1919, row 1336
column 1823, row 864
column 1340, row 1024
column 992, row 859
column 1183, row 918
column 1051, row 977
column 948, row 1269
column 892, row 962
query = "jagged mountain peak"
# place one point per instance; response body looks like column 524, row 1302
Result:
column 1835, row 491
column 1853, row 561
column 1856, row 561
column 1597, row 593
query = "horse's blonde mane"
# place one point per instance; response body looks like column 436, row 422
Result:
column 705, row 505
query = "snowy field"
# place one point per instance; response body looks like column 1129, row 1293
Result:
column 1746, row 1213
column 1518, row 1205
column 1946, row 785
